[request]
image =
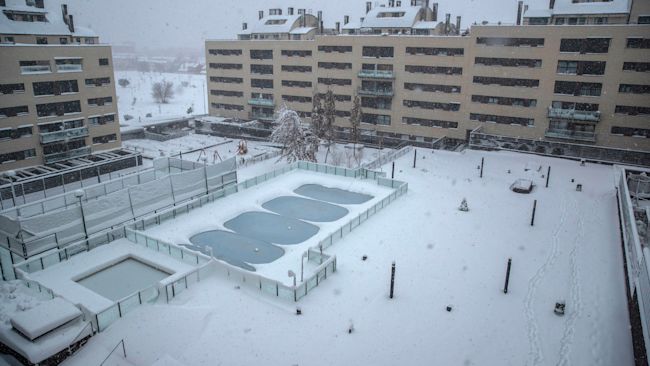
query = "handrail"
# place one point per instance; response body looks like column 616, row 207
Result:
column 114, row 348
column 76, row 338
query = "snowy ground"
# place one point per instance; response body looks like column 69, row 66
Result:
column 136, row 100
column 444, row 257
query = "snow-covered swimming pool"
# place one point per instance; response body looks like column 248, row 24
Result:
column 122, row 279
column 305, row 209
column 333, row 195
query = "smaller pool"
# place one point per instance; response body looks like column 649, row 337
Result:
column 333, row 195
column 305, row 209
column 271, row 228
column 236, row 249
column 122, row 279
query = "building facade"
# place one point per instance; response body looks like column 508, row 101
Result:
column 583, row 82
column 57, row 93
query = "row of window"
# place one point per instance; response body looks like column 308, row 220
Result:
column 632, row 110
column 105, row 139
column 15, row 133
column 429, row 122
column 520, row 102
column 95, row 102
column 578, row 88
column 508, row 62
column 501, row 119
column 634, row 89
column 581, row 67
column 335, row 65
column 432, row 87
column 487, row 80
column 334, row 81
column 296, row 99
column 454, row 107
column 227, row 93
column 225, row 52
column 228, row 107
column 262, row 69
column 376, row 103
column 435, row 51
column 17, row 155
column 417, row 69
column 226, row 80
column 296, row 68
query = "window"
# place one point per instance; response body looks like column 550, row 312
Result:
column 60, row 126
column 559, row 21
column 453, row 107
column 631, row 132
column 261, row 54
column 222, row 52
column 334, row 81
column 58, row 109
column 262, row 83
column 10, row 40
column 375, row 119
column 18, row 155
column 35, row 67
column 519, row 102
column 585, row 45
column 338, row 97
column 638, row 43
column 296, row 99
column 105, row 139
column 101, row 120
column 339, row 49
column 573, row 106
column 296, row 53
column 262, row 69
column 296, row 84
column 377, row 87
column 55, row 87
column 12, row 88
column 335, row 65
column 508, row 62
column 97, row 82
column 632, row 110
column 63, row 40
column 433, row 51
column 41, row 40
column 433, row 88
column 644, row 19
column 227, row 93
column 601, row 20
column 12, row 134
column 502, row 119
column 96, row 102
column 510, row 42
column 228, row 107
column 342, row 114
column 103, row 62
column 296, row 68
column 13, row 111
column 377, row 103
column 634, row 89
column 69, row 65
column 581, row 67
column 538, row 21
column 577, row 88
column 275, row 21
column 378, row 52
column 89, row 40
column 225, row 66
column 415, row 69
column 63, row 147
column 429, row 122
column 226, row 80
column 526, row 83
column 636, row 66
column 2, row 3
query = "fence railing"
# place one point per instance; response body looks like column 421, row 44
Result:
column 387, row 158
column 107, row 316
column 241, row 162
column 175, row 251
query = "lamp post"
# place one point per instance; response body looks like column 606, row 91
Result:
column 292, row 274
column 302, row 265
column 80, row 193
column 10, row 174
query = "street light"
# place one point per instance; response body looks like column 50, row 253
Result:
column 302, row 265
column 10, row 174
column 80, row 193
column 291, row 274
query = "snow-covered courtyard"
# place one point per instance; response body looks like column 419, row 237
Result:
column 449, row 306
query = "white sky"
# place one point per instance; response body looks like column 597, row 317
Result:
column 187, row 23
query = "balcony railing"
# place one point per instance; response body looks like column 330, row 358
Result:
column 376, row 74
column 590, row 116
column 35, row 69
column 72, row 133
column 262, row 102
column 376, row 92
column 69, row 68
column 571, row 135
column 52, row 158
column 262, row 116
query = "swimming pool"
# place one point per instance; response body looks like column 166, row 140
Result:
column 272, row 228
column 332, row 195
column 122, row 279
column 305, row 209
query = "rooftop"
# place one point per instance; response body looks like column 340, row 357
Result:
column 568, row 7
column 54, row 24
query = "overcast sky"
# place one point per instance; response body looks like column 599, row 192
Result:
column 188, row 23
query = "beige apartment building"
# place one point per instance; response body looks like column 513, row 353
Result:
column 57, row 93
column 574, row 76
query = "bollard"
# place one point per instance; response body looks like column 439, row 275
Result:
column 532, row 219
column 482, row 161
column 415, row 156
column 392, row 174
column 505, row 287
column 392, row 280
column 548, row 175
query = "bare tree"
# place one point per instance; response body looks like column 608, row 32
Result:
column 162, row 91
column 329, row 116
column 355, row 121
column 290, row 133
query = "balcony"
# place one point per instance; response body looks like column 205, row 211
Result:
column 35, row 69
column 72, row 133
column 589, row 116
column 69, row 68
column 376, row 92
column 376, row 74
column 53, row 158
column 262, row 102
column 571, row 135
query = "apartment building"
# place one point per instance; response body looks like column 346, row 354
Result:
column 57, row 93
column 574, row 76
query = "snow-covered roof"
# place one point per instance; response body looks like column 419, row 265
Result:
column 302, row 30
column 273, row 24
column 568, row 7
column 408, row 15
column 53, row 26
column 425, row 25
column 352, row 25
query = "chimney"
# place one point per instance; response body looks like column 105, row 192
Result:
column 368, row 6
column 458, row 24
column 551, row 5
column 290, row 11
column 338, row 27
column 447, row 22
column 320, row 15
column 391, row 3
column 399, row 3
column 321, row 27
column 260, row 14
column 346, row 19
column 520, row 5
column 434, row 8
column 71, row 23
column 244, row 26
column 361, row 20
column 64, row 12
column 425, row 4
